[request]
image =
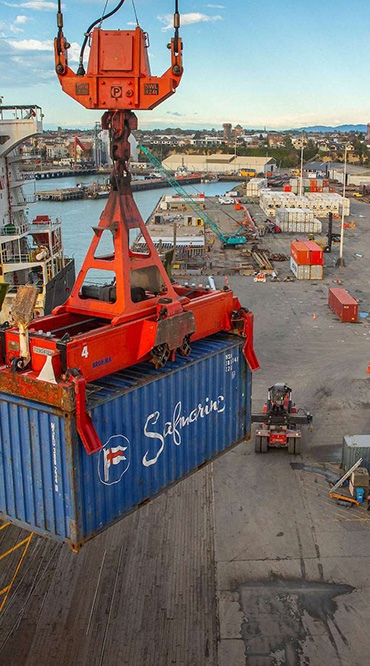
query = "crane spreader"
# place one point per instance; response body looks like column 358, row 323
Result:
column 137, row 313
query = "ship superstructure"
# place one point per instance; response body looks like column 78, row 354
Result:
column 30, row 252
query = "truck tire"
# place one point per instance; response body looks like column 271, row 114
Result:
column 297, row 446
column 260, row 444
column 291, row 445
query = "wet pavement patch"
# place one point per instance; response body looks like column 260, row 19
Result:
column 274, row 627
column 330, row 476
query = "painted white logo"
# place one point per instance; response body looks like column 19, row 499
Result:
column 114, row 460
column 173, row 427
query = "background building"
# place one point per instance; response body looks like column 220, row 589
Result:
column 220, row 164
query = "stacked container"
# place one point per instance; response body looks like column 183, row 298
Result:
column 298, row 220
column 320, row 204
column 309, row 184
column 306, row 260
column 255, row 186
column 343, row 304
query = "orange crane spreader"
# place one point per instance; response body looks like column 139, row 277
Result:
column 136, row 313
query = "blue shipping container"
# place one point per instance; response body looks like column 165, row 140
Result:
column 156, row 426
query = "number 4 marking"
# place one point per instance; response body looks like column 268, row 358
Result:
column 85, row 351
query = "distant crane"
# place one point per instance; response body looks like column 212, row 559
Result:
column 227, row 240
column 78, row 144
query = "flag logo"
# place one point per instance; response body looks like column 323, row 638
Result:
column 114, row 460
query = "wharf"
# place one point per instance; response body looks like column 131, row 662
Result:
column 90, row 192
column 61, row 173
column 61, row 195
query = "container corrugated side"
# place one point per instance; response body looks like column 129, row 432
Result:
column 356, row 447
column 316, row 272
column 343, row 304
column 299, row 253
column 316, row 252
column 301, row 272
column 156, row 427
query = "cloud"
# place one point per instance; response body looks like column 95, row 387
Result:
column 187, row 19
column 31, row 44
column 215, row 6
column 38, row 5
column 34, row 45
column 21, row 20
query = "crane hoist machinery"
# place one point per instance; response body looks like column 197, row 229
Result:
column 123, row 308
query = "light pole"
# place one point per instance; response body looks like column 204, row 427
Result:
column 301, row 179
column 340, row 261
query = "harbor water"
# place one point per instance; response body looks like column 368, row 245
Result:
column 79, row 216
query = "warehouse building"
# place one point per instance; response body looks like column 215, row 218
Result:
column 220, row 164
column 355, row 175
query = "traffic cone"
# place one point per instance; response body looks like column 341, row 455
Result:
column 314, row 317
column 368, row 369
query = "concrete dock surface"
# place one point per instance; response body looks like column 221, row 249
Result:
column 248, row 561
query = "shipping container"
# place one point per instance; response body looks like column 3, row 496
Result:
column 300, row 253
column 343, row 304
column 316, row 253
column 301, row 272
column 156, row 426
column 356, row 447
column 316, row 272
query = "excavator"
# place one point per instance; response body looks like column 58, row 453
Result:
column 123, row 308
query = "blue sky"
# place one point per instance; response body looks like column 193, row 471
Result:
column 274, row 63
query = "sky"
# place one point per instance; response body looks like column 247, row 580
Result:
column 278, row 64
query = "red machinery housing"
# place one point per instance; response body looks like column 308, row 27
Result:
column 123, row 308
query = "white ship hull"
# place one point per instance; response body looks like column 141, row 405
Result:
column 30, row 252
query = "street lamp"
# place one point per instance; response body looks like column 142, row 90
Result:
column 340, row 260
column 301, row 179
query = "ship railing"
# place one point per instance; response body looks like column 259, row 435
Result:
column 47, row 222
column 57, row 247
column 12, row 230
column 21, row 112
column 14, row 259
column 20, row 204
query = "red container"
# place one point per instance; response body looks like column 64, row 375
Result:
column 287, row 188
column 316, row 253
column 300, row 253
column 342, row 303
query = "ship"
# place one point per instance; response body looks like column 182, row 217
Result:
column 30, row 252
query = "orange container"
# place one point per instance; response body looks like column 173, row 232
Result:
column 300, row 253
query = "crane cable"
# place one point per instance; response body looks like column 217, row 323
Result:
column 135, row 12
column 81, row 69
